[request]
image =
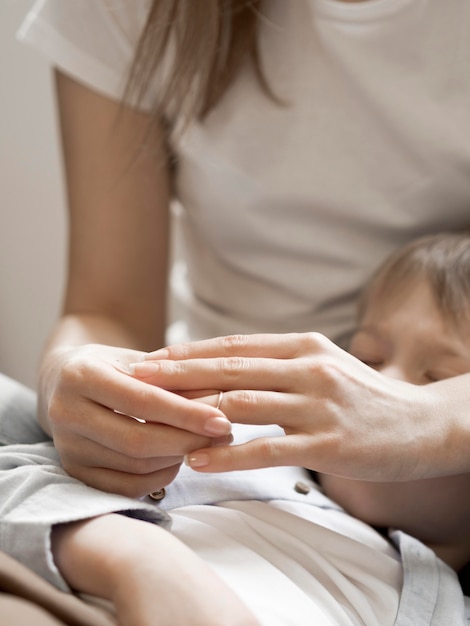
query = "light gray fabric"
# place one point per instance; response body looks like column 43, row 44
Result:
column 431, row 594
column 18, row 422
column 37, row 493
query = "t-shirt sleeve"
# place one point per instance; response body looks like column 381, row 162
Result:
column 93, row 41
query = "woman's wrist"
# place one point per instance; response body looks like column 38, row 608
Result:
column 446, row 429
column 49, row 367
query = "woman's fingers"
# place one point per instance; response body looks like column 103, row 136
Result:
column 262, row 408
column 157, row 405
column 272, row 362
column 131, row 458
column 219, row 373
column 131, row 447
column 125, row 483
column 111, row 390
column 275, row 346
column 257, row 453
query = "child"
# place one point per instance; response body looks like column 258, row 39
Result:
column 414, row 324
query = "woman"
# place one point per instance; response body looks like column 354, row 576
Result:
column 303, row 141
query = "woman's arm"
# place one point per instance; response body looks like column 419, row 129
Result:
column 340, row 416
column 147, row 573
column 118, row 195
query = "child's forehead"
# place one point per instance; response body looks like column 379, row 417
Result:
column 386, row 295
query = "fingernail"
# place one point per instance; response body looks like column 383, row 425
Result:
column 218, row 426
column 163, row 353
column 198, row 459
column 144, row 368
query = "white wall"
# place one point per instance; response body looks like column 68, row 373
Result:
column 32, row 214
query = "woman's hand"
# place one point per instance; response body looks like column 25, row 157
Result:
column 91, row 401
column 340, row 416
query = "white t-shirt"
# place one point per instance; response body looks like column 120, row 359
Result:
column 286, row 210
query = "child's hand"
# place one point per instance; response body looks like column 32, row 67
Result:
column 151, row 577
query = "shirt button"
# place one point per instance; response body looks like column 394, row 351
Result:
column 302, row 487
column 158, row 495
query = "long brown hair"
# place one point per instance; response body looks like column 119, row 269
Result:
column 209, row 40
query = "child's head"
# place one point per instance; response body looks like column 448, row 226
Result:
column 442, row 260
column 414, row 315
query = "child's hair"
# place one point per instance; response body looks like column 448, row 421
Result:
column 443, row 259
column 208, row 42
